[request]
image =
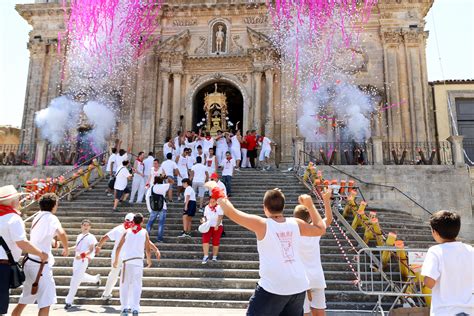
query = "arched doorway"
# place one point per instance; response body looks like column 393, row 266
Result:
column 235, row 103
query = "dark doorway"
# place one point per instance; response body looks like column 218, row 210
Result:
column 235, row 103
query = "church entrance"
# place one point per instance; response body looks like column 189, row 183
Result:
column 218, row 105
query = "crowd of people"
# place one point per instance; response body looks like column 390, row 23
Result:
column 291, row 280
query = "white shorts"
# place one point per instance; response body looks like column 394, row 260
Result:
column 264, row 153
column 180, row 179
column 199, row 188
column 318, row 302
column 236, row 154
column 46, row 295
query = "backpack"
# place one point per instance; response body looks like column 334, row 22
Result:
column 156, row 201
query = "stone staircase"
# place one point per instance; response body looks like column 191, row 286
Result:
column 179, row 278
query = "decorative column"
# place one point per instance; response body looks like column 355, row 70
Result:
column 257, row 116
column 40, row 155
column 298, row 147
column 377, row 150
column 164, row 117
column 269, row 119
column 457, row 150
column 175, row 126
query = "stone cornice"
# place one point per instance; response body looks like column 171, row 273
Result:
column 404, row 5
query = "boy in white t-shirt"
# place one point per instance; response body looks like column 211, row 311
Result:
column 121, row 184
column 189, row 209
column 44, row 228
column 199, row 176
column 111, row 167
column 283, row 283
column 315, row 300
column 213, row 214
column 448, row 268
column 84, row 252
column 170, row 168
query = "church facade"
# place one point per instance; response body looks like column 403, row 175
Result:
column 224, row 47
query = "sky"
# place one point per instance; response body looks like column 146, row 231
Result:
column 450, row 23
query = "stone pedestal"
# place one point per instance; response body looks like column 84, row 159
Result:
column 40, row 154
column 457, row 150
column 377, row 150
column 298, row 145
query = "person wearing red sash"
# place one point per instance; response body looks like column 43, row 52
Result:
column 12, row 231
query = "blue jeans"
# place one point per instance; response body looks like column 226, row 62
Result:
column 263, row 303
column 161, row 216
column 227, row 180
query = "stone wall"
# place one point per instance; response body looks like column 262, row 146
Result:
column 18, row 175
column 433, row 187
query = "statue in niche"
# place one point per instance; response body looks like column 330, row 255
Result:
column 219, row 35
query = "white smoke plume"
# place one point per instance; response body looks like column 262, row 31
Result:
column 55, row 120
column 102, row 119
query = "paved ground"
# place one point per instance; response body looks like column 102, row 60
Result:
column 58, row 310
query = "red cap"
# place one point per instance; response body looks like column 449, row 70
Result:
column 214, row 176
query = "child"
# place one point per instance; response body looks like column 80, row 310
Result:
column 449, row 268
column 189, row 209
column 130, row 251
column 283, row 282
column 315, row 301
column 84, row 252
column 214, row 214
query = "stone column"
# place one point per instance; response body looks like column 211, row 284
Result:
column 164, row 117
column 176, row 103
column 269, row 119
column 40, row 155
column 257, row 116
column 298, row 147
column 377, row 150
column 457, row 150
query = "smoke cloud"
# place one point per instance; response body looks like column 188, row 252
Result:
column 102, row 118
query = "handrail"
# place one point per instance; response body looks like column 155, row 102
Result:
column 377, row 184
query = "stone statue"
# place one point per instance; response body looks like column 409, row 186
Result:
column 219, row 39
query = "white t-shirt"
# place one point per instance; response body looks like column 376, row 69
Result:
column 213, row 216
column 211, row 164
column 183, row 166
column 12, row 229
column 148, row 163
column 121, row 179
column 221, row 143
column 46, row 226
column 451, row 265
column 199, row 171
column 111, row 159
column 207, row 143
column 189, row 191
column 120, row 159
column 311, row 256
column 167, row 149
column 84, row 244
column 134, row 247
column 115, row 235
column 266, row 143
column 158, row 189
column 235, row 142
column 228, row 167
column 169, row 166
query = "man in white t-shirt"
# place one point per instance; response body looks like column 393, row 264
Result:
column 189, row 209
column 184, row 162
column 158, row 188
column 171, row 170
column 199, row 176
column 168, row 147
column 148, row 164
column 265, row 151
column 44, row 228
column 228, row 165
column 84, row 252
column 114, row 235
column 221, row 146
column 139, row 180
column 121, row 157
column 111, row 162
column 121, row 184
column 12, row 230
column 207, row 143
column 448, row 268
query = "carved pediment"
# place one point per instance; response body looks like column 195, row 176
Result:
column 176, row 43
column 257, row 39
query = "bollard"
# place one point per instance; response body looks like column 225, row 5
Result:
column 360, row 217
column 402, row 259
column 388, row 243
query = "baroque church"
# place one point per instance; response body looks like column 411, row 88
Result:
column 215, row 63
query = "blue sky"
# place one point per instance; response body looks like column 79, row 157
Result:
column 453, row 21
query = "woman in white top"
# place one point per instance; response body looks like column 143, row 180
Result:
column 236, row 139
column 160, row 188
column 315, row 300
column 214, row 214
column 211, row 162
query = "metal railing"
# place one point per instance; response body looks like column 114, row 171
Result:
column 17, row 154
column 340, row 153
column 417, row 153
column 69, row 154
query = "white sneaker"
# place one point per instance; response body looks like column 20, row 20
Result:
column 98, row 279
column 205, row 259
column 106, row 297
